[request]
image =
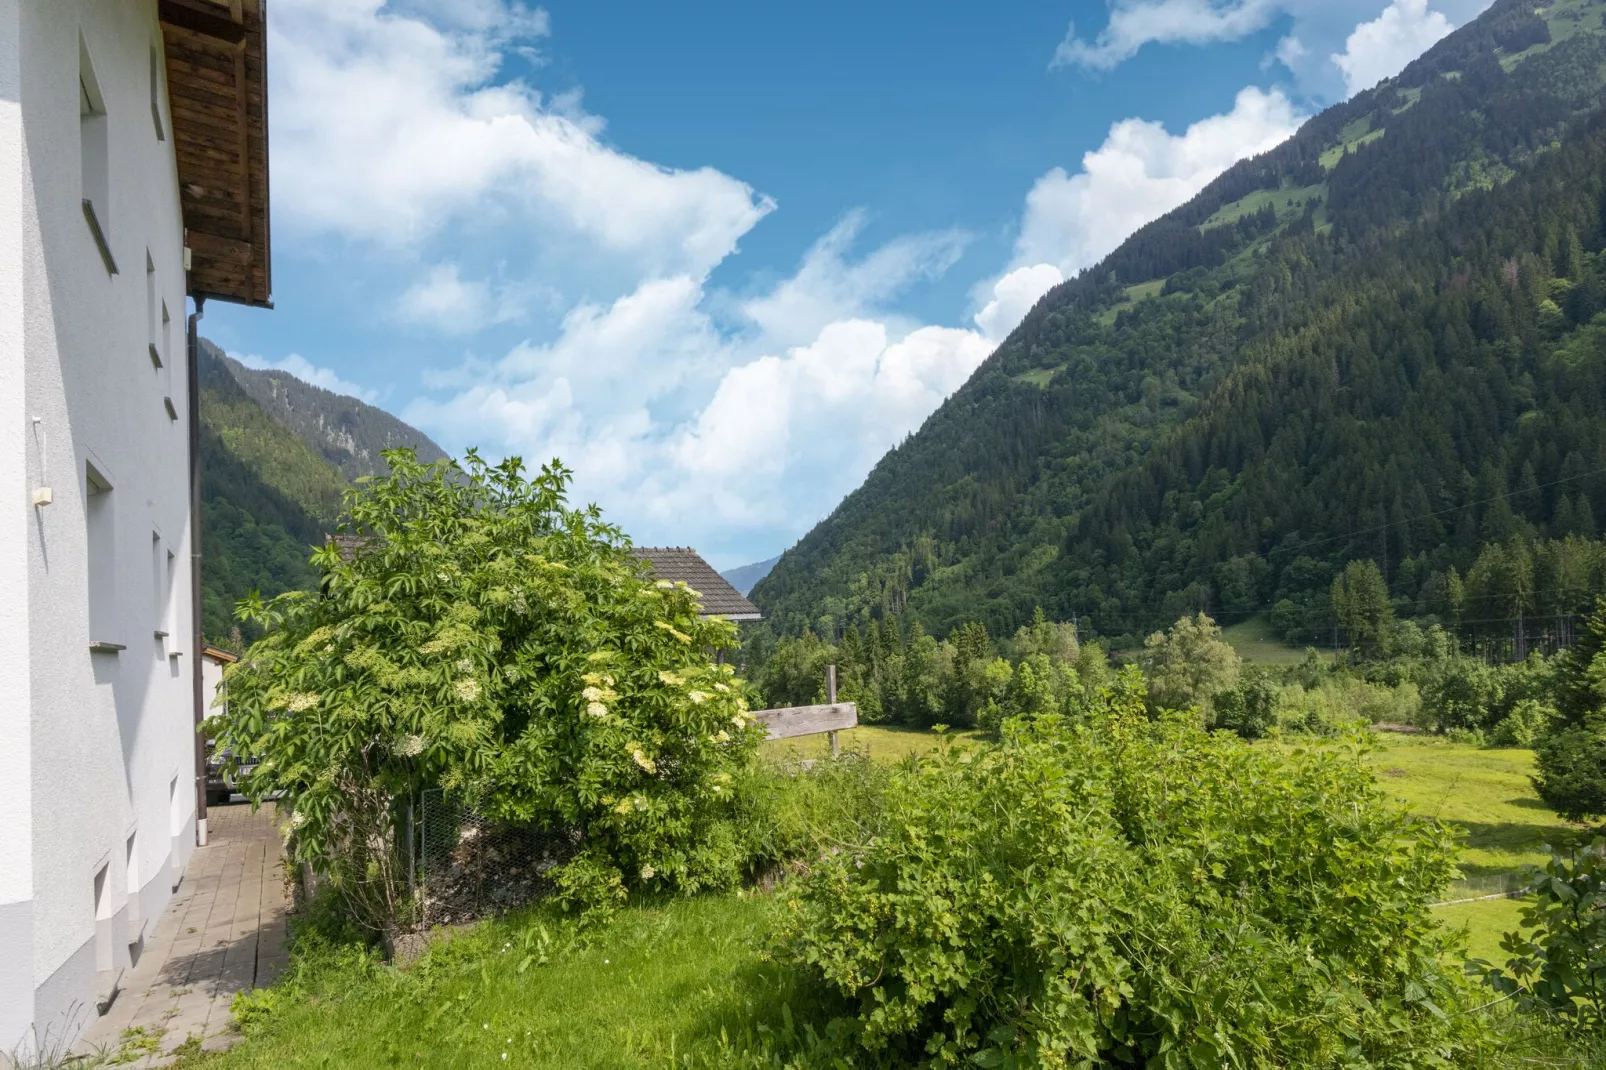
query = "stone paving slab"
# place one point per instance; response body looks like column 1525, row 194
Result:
column 222, row 932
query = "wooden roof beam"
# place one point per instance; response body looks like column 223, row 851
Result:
column 205, row 18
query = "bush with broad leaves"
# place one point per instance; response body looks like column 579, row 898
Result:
column 482, row 637
column 1137, row 892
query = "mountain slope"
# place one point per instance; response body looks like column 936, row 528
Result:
column 743, row 577
column 270, row 487
column 1388, row 317
column 348, row 433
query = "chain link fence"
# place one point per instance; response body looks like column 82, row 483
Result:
column 469, row 867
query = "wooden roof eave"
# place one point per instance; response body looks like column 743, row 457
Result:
column 216, row 63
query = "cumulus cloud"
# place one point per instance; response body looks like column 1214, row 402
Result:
column 1316, row 31
column 1013, row 295
column 1135, row 23
column 308, row 372
column 829, row 285
column 1383, row 47
column 684, row 426
column 845, row 399
column 445, row 301
column 1139, row 173
column 389, row 125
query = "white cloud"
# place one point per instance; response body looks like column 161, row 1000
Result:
column 1140, row 173
column 1316, row 29
column 389, row 125
column 835, row 405
column 308, row 372
column 1013, row 296
column 691, row 431
column 828, row 287
column 1135, row 23
column 1383, row 47
column 445, row 301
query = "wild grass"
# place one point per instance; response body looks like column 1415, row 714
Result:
column 657, row 987
column 1258, row 643
column 886, row 743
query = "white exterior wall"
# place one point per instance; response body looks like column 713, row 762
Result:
column 91, row 744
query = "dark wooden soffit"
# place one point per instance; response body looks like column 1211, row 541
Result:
column 217, row 91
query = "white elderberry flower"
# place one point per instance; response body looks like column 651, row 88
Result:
column 301, row 700
column 645, row 762
column 592, row 694
column 699, row 697
column 722, row 687
column 410, row 746
column 297, row 819
column 467, row 690
column 648, row 873
column 596, row 709
column 465, row 665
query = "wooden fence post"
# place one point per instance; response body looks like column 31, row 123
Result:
column 830, row 698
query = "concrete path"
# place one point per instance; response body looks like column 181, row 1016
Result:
column 223, row 931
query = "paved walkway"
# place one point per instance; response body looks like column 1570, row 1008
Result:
column 223, row 931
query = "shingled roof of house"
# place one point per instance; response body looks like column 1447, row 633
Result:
column 718, row 597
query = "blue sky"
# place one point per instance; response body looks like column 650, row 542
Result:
column 718, row 257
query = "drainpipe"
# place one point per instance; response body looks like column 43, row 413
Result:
column 193, row 362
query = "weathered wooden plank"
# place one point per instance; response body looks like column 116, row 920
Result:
column 790, row 721
column 217, row 247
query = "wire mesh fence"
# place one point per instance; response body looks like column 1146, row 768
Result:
column 470, row 866
column 1485, row 886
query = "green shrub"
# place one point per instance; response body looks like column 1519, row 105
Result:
column 1250, row 709
column 1527, row 722
column 1572, row 755
column 795, row 815
column 484, row 638
column 1338, row 703
column 1136, row 893
column 1559, row 965
column 1572, row 770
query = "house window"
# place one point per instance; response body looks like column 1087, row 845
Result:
column 102, row 549
column 156, row 93
column 94, row 156
column 151, row 306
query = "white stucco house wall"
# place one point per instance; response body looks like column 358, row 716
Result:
column 99, row 670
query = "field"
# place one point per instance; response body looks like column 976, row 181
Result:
column 1487, row 793
column 685, row 983
column 1256, row 642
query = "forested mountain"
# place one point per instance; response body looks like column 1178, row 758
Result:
column 348, row 433
column 270, row 485
column 1381, row 340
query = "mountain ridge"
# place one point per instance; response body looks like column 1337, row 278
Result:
column 272, row 451
column 348, row 432
column 1106, row 462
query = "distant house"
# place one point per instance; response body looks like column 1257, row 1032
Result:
column 214, row 660
column 716, row 596
column 133, row 175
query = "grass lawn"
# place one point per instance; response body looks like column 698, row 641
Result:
column 1256, row 642
column 881, row 742
column 660, row 986
column 1486, row 792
